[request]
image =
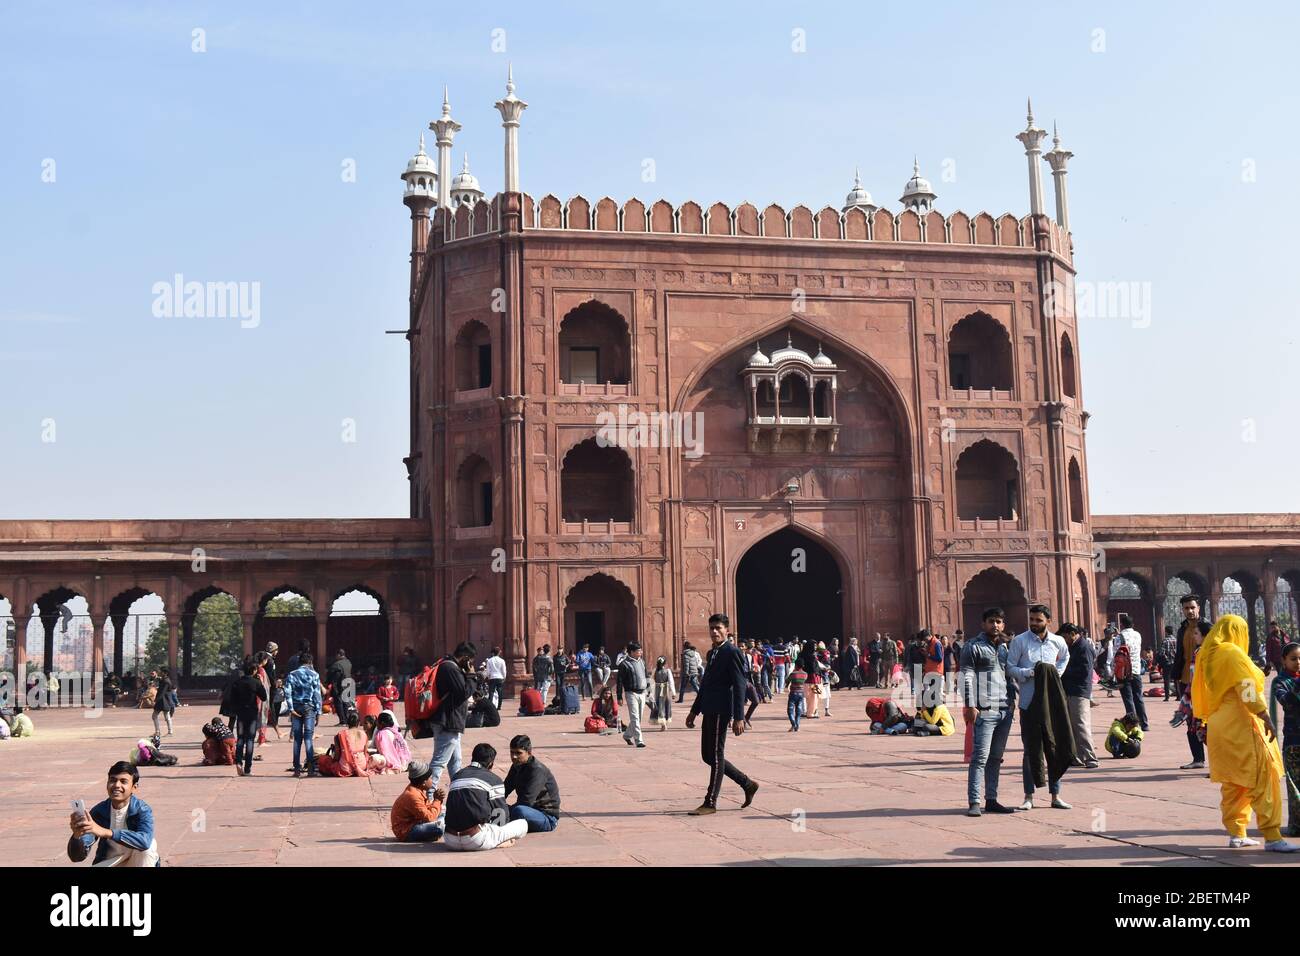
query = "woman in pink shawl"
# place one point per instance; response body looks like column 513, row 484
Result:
column 391, row 744
column 347, row 757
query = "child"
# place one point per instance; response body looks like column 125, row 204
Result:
column 387, row 693
column 1286, row 691
column 933, row 721
column 1125, row 737
column 795, row 704
column 665, row 691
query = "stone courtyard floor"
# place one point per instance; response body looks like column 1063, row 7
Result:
column 830, row 795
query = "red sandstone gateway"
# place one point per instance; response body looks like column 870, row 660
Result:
column 885, row 423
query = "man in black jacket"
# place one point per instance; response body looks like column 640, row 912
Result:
column 538, row 800
column 721, row 700
column 342, row 689
column 1190, row 634
column 453, row 690
column 476, row 815
column 245, row 693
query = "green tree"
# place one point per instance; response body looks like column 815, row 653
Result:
column 155, row 649
column 218, row 636
column 288, row 605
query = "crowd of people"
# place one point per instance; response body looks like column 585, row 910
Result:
column 1042, row 680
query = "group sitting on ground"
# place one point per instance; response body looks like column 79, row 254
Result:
column 218, row 744
column 16, row 724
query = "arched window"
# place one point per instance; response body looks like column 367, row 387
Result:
column 474, row 493
column 594, row 346
column 473, row 357
column 596, row 483
column 979, row 354
column 1076, row 492
column 795, row 401
column 988, row 482
column 822, row 400
column 1068, row 384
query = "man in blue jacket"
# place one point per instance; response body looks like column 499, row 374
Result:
column 122, row 824
column 721, row 700
column 302, row 691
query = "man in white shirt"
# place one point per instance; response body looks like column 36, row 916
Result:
column 1130, row 691
column 1036, row 645
column 494, row 673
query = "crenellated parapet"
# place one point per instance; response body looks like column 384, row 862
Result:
column 747, row 221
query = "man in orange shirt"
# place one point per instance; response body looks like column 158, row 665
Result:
column 931, row 671
column 415, row 813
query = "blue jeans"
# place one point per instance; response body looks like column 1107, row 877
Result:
column 539, row 821
column 780, row 678
column 245, row 744
column 794, row 708
column 446, row 753
column 301, row 729
column 991, row 730
column 424, row 833
column 584, row 683
column 691, row 681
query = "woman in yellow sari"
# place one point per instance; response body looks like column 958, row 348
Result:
column 1228, row 694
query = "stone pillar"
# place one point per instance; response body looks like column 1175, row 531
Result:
column 1252, row 620
column 394, row 639
column 173, row 644
column 20, row 659
column 1032, row 138
column 97, row 648
column 1058, row 158
column 249, row 621
column 119, row 639
column 322, row 623
column 445, row 129
column 510, row 107
column 49, row 620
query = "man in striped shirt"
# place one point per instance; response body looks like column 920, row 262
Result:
column 477, row 815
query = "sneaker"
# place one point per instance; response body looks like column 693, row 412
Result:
column 974, row 810
column 1091, row 765
column 992, row 806
column 1281, row 846
column 1060, row 804
column 702, row 810
column 1027, row 805
column 641, row 744
column 1194, row 765
column 1236, row 843
column 628, row 741
column 297, row 773
column 749, row 794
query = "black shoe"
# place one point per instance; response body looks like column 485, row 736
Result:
column 992, row 806
column 749, row 794
column 642, row 744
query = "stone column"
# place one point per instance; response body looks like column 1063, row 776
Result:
column 119, row 639
column 97, row 648
column 1158, row 607
column 20, row 659
column 249, row 620
column 1058, row 159
column 510, row 107
column 445, row 129
column 322, row 623
column 173, row 643
column 1032, row 138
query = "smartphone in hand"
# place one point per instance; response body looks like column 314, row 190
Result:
column 79, row 808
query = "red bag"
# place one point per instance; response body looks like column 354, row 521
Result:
column 422, row 700
column 1123, row 663
column 593, row 725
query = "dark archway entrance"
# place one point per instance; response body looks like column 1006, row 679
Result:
column 789, row 585
column 599, row 610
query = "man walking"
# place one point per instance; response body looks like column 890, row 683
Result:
column 542, row 670
column 1168, row 654
column 1191, row 632
column 1038, row 645
column 691, row 667
column 633, row 683
column 1077, row 681
column 494, row 676
column 986, row 694
column 448, row 720
column 585, row 661
column 342, row 688
column 302, row 691
column 1130, row 689
column 721, row 701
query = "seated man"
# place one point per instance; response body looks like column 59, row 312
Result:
column 21, row 725
column 218, row 744
column 530, row 702
column 123, row 825
column 482, row 712
column 415, row 813
column 933, row 721
column 538, row 798
column 477, row 814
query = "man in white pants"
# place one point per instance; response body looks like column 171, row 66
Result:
column 477, row 815
column 632, row 680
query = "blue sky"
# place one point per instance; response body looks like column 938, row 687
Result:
column 226, row 166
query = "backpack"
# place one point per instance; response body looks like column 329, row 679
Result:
column 422, row 700
column 1123, row 663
